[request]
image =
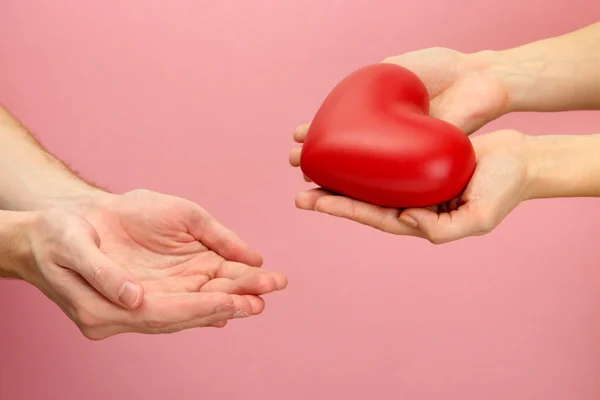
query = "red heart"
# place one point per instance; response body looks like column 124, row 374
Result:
column 372, row 139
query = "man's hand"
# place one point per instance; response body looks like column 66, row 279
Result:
column 143, row 262
column 137, row 262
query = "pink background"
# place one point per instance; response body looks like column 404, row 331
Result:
column 199, row 99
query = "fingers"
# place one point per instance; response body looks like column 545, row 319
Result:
column 97, row 318
column 439, row 224
column 469, row 219
column 429, row 223
column 461, row 220
column 215, row 321
column 295, row 154
column 256, row 305
column 169, row 313
column 420, row 63
column 384, row 219
column 114, row 282
column 237, row 278
column 295, row 161
column 175, row 308
column 255, row 285
column 177, row 312
column 232, row 278
column 306, row 200
column 206, row 229
column 220, row 324
column 295, row 157
column 300, row 133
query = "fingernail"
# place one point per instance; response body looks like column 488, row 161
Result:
column 129, row 294
column 410, row 221
column 240, row 314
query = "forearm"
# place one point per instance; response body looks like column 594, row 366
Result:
column 30, row 177
column 15, row 253
column 556, row 74
column 564, row 166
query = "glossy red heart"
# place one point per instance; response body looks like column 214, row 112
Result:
column 372, row 139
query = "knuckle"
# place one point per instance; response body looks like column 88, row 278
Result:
column 219, row 324
column 85, row 319
column 57, row 224
column 436, row 238
column 265, row 283
column 70, row 233
column 98, row 274
column 484, row 223
column 484, row 227
column 224, row 243
column 92, row 334
column 353, row 212
column 56, row 214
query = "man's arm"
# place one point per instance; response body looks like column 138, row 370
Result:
column 564, row 166
column 30, row 177
column 556, row 74
column 14, row 249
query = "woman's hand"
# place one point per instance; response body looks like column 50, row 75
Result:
column 501, row 181
column 462, row 89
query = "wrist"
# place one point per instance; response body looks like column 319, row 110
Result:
column 563, row 166
column 549, row 75
column 508, row 73
column 70, row 198
column 57, row 193
column 30, row 177
column 15, row 249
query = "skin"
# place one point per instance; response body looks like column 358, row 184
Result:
column 141, row 261
column 471, row 90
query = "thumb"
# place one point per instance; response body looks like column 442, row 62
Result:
column 210, row 232
column 110, row 279
column 441, row 228
column 469, row 117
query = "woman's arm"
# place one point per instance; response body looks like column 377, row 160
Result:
column 564, row 166
column 556, row 74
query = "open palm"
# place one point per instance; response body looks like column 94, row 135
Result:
column 499, row 184
column 194, row 272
